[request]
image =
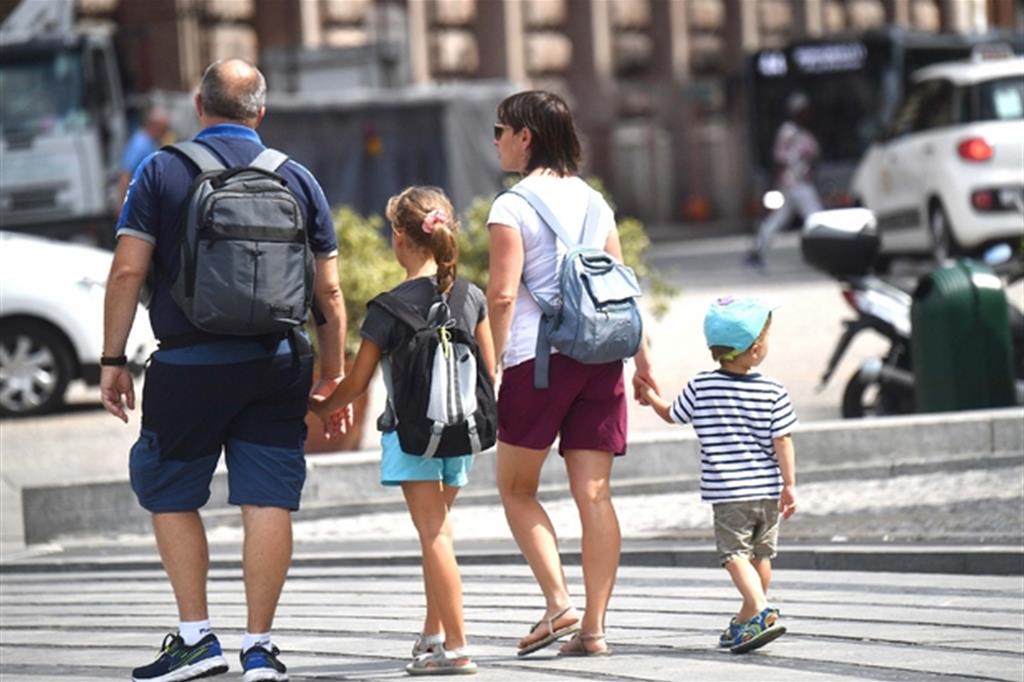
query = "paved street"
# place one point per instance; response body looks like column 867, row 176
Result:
column 340, row 622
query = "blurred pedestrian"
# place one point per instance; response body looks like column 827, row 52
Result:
column 795, row 153
column 585, row 405
column 143, row 142
column 744, row 422
column 205, row 393
column 423, row 224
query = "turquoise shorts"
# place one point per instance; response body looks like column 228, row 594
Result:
column 397, row 467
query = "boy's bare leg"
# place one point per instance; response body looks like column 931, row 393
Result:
column 764, row 569
column 748, row 582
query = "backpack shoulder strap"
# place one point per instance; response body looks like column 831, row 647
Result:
column 546, row 216
column 400, row 310
column 457, row 297
column 269, row 160
column 590, row 222
column 202, row 157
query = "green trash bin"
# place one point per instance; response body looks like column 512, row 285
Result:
column 960, row 340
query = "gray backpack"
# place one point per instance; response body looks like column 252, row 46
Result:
column 246, row 267
column 596, row 318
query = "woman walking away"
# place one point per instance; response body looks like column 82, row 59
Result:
column 424, row 243
column 585, row 404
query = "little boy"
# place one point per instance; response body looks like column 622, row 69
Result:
column 743, row 420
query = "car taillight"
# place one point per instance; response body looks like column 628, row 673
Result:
column 974, row 149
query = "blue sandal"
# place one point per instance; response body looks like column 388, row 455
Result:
column 730, row 633
column 758, row 631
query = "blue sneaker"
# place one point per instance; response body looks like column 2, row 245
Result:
column 178, row 661
column 259, row 664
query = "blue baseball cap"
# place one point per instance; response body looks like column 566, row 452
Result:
column 735, row 322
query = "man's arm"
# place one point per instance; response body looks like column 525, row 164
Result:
column 127, row 275
column 331, row 334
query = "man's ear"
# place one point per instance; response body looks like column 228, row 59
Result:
column 259, row 117
column 198, row 101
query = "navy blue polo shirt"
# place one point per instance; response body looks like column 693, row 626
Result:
column 156, row 197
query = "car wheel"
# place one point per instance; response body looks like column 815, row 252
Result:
column 35, row 368
column 943, row 245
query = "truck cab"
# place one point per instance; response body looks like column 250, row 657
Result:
column 62, row 129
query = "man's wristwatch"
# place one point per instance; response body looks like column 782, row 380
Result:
column 119, row 361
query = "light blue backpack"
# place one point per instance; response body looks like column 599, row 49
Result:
column 595, row 318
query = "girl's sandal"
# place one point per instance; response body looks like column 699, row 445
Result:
column 427, row 644
column 552, row 635
column 577, row 646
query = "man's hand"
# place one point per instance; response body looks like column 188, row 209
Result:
column 117, row 391
column 787, row 501
column 325, row 387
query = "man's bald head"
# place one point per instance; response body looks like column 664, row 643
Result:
column 233, row 89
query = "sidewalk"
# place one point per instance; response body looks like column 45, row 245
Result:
column 338, row 622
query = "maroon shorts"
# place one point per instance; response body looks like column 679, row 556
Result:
column 585, row 403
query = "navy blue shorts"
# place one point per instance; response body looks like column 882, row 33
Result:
column 253, row 410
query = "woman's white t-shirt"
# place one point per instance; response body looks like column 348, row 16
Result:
column 567, row 199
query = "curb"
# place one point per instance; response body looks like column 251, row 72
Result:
column 999, row 560
column 880, row 446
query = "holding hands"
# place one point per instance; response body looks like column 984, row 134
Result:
column 336, row 421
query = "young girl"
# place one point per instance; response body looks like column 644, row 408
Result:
column 423, row 237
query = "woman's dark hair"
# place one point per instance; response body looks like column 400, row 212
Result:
column 555, row 144
column 425, row 215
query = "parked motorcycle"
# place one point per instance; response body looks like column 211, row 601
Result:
column 844, row 243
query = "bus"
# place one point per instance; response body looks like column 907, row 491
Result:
column 854, row 83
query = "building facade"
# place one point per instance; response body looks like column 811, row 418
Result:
column 656, row 85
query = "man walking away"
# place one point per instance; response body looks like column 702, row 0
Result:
column 206, row 393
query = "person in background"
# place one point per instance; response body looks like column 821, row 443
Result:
column 143, row 142
column 795, row 154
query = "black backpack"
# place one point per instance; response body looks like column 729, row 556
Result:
column 439, row 389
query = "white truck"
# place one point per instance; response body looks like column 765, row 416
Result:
column 62, row 125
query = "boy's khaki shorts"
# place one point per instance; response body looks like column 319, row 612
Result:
column 747, row 529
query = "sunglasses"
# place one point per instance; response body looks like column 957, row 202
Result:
column 499, row 129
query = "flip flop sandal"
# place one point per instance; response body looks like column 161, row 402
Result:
column 553, row 634
column 758, row 631
column 577, row 646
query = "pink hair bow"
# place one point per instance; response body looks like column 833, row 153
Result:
column 433, row 219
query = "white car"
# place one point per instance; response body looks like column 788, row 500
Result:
column 51, row 321
column 948, row 175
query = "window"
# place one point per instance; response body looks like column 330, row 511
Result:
column 1000, row 100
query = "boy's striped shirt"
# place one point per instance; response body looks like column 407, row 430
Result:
column 736, row 416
